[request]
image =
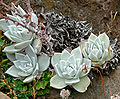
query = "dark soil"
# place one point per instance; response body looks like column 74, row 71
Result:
column 99, row 14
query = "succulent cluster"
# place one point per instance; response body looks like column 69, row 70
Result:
column 25, row 52
column 72, row 65
column 65, row 32
column 71, row 69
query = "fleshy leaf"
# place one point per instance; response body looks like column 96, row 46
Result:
column 7, row 34
column 65, row 55
column 23, row 74
column 84, row 53
column 103, row 37
column 22, row 45
column 56, row 58
column 11, row 57
column 71, row 59
column 77, row 52
column 57, row 82
column 34, row 18
column 3, row 25
column 13, row 71
column 22, row 12
column 71, row 81
column 92, row 37
column 19, row 56
column 43, row 61
column 28, row 79
column 57, row 70
column 11, row 49
column 93, row 57
column 110, row 54
column 105, row 55
column 82, row 85
column 30, row 51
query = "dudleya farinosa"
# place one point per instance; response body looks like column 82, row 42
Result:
column 97, row 49
column 71, row 69
column 24, row 52
column 28, row 65
column 17, row 33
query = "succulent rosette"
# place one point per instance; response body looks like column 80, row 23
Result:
column 71, row 69
column 28, row 65
column 97, row 49
column 17, row 33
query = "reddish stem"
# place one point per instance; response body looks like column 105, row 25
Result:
column 102, row 82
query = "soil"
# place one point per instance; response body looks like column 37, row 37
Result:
column 100, row 13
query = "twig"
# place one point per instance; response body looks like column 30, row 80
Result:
column 28, row 6
column 16, row 22
column 6, row 82
column 101, row 79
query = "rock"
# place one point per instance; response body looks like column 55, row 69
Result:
column 3, row 96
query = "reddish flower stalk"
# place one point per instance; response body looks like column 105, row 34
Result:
column 16, row 22
column 40, row 30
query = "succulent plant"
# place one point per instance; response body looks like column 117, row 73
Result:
column 97, row 49
column 66, row 32
column 28, row 65
column 17, row 33
column 71, row 69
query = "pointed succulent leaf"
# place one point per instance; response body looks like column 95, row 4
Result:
column 57, row 70
column 92, row 37
column 8, row 35
column 82, row 85
column 57, row 82
column 77, row 53
column 19, row 56
column 93, row 57
column 71, row 60
column 105, row 54
column 71, row 81
column 110, row 54
column 28, row 79
column 103, row 37
column 15, row 38
column 43, row 61
column 23, row 74
column 11, row 57
column 55, row 58
column 3, row 25
column 84, row 53
column 22, row 12
column 11, row 49
column 62, row 64
column 30, row 51
column 13, row 71
column 11, row 17
column 22, row 45
column 35, row 72
column 34, row 18
column 65, row 55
